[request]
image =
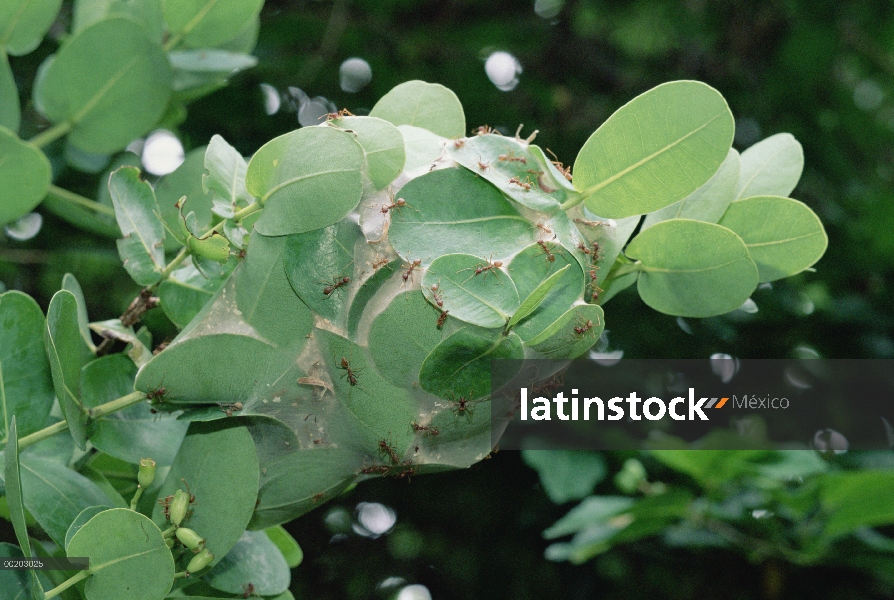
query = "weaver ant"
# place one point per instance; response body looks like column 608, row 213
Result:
column 442, row 319
column 386, row 449
column 426, row 430
column 230, row 408
column 590, row 223
column 398, row 204
column 338, row 115
column 583, row 326
column 482, row 165
column 547, row 250
column 378, row 264
column 565, row 171
column 485, row 268
column 436, row 296
column 336, row 283
column 406, row 275
column 520, row 183
column 459, row 143
column 483, row 130
column 350, row 373
column 511, row 158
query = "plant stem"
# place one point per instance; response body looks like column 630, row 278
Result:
column 169, row 531
column 180, row 574
column 624, row 269
column 573, row 201
column 136, row 498
column 77, row 199
column 245, row 212
column 184, row 252
column 66, row 584
column 94, row 413
column 50, row 135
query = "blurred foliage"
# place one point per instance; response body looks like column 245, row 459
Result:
column 821, row 70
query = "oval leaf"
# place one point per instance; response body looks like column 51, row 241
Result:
column 307, row 179
column 62, row 338
column 571, row 334
column 486, row 298
column 220, row 466
column 23, row 23
column 207, row 23
column 12, row 482
column 461, row 364
column 771, row 167
column 655, row 150
column 382, row 144
column 428, row 105
column 536, row 297
column 783, row 236
column 10, row 110
column 127, row 556
column 81, row 520
column 421, row 146
column 453, row 211
column 26, row 387
column 109, row 98
column 693, row 269
column 142, row 249
column 24, row 177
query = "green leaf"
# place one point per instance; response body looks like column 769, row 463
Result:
column 307, row 179
column 62, row 338
column 566, row 474
column 368, row 289
column 383, row 146
column 693, row 269
column 655, row 150
column 137, row 350
column 783, row 236
column 23, row 23
column 421, row 146
column 264, row 293
column 771, row 167
column 427, row 105
column 857, row 499
column 186, row 180
column 12, row 481
column 81, row 520
column 214, row 247
column 195, row 68
column 225, row 174
column 530, row 269
column 401, row 336
column 146, row 12
column 55, row 495
column 208, row 23
column 708, row 202
column 254, row 559
column 70, row 283
column 220, row 466
column 486, row 299
column 133, row 433
column 10, row 110
column 26, row 387
column 136, row 211
column 451, row 211
column 500, row 160
column 187, row 290
column 110, row 98
column 24, row 177
column 614, row 284
column 570, row 335
column 319, row 261
column 591, row 511
column 461, row 364
column 127, row 555
column 287, row 545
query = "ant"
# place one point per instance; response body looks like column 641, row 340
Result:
column 544, row 227
column 583, row 248
column 485, row 268
column 436, row 296
column 156, row 395
column 546, row 250
column 230, row 408
column 406, row 275
column 375, row 469
column 459, row 143
column 565, row 171
column 385, row 448
column 520, row 183
column 337, row 283
column 424, row 429
column 317, row 497
column 482, row 165
column 583, row 327
column 378, row 264
column 338, row 115
column 596, row 249
column 166, row 501
column 349, row 373
column 483, row 130
column 249, row 590
column 511, row 158
column 398, row 204
column 442, row 319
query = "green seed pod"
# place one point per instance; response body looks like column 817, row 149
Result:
column 190, row 539
column 147, row 472
column 199, row 561
column 169, row 542
column 179, row 506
